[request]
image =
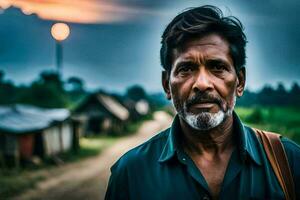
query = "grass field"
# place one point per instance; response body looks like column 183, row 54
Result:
column 283, row 120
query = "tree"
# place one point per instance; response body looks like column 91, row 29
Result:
column 266, row 96
column 295, row 89
column 248, row 99
column 75, row 84
column 47, row 91
column 136, row 93
column 295, row 95
column 1, row 76
column 281, row 97
column 51, row 78
column 75, row 89
column 8, row 91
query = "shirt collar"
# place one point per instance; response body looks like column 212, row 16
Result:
column 247, row 141
column 245, row 136
column 172, row 144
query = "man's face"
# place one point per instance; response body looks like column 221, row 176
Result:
column 203, row 82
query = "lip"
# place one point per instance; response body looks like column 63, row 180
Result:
column 203, row 105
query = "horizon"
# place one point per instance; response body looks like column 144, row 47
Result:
column 64, row 81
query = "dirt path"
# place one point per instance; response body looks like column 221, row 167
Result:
column 88, row 179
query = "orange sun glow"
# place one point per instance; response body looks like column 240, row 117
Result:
column 76, row 11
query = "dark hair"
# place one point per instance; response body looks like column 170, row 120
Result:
column 196, row 22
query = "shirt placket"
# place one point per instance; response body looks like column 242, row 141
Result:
column 234, row 167
column 195, row 173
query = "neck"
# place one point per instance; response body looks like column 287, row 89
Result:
column 212, row 142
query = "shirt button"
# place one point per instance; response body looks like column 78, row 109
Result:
column 205, row 198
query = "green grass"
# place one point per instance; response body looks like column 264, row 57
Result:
column 132, row 127
column 13, row 182
column 89, row 146
column 283, row 120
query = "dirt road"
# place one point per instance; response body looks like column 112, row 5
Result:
column 87, row 180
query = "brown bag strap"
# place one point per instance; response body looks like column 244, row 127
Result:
column 278, row 159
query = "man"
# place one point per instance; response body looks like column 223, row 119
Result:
column 207, row 153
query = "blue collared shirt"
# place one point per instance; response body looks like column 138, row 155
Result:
column 159, row 169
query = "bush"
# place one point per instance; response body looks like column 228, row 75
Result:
column 255, row 117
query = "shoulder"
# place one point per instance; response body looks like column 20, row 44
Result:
column 290, row 145
column 291, row 148
column 147, row 152
column 126, row 169
column 292, row 151
column 293, row 154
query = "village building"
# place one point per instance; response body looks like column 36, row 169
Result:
column 137, row 109
column 101, row 113
column 27, row 132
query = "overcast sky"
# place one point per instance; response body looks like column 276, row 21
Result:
column 115, row 45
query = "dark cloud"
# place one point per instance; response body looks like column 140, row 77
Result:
column 119, row 54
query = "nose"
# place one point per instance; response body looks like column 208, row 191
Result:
column 202, row 81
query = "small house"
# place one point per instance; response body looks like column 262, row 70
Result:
column 28, row 131
column 101, row 113
column 137, row 109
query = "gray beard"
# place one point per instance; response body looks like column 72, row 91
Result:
column 205, row 120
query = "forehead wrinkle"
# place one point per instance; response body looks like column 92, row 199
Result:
column 211, row 46
column 200, row 57
column 212, row 39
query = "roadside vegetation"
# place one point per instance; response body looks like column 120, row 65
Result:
column 12, row 182
column 283, row 120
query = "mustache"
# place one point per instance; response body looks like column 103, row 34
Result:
column 204, row 98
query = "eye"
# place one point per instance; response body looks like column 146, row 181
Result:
column 185, row 68
column 217, row 66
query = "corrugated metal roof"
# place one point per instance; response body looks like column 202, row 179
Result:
column 24, row 118
column 113, row 106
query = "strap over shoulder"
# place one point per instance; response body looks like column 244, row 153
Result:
column 279, row 162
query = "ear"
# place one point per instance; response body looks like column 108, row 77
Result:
column 241, row 82
column 165, row 78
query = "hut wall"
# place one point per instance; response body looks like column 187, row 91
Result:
column 26, row 146
column 11, row 145
column 67, row 136
column 11, row 150
column 52, row 141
